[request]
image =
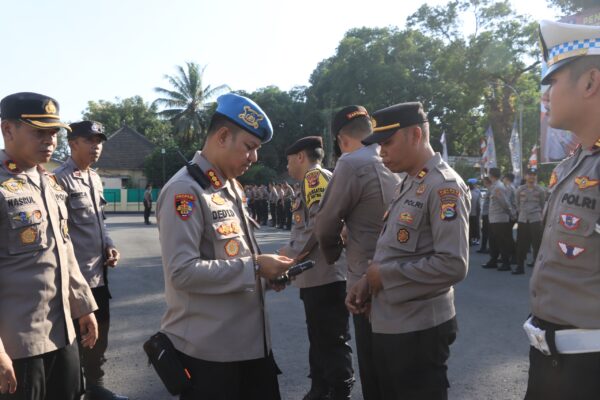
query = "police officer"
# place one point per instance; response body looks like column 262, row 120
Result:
column 356, row 198
column 486, row 235
column 216, row 315
column 565, row 286
column 500, row 214
column 41, row 287
column 323, row 288
column 287, row 205
column 422, row 251
column 530, row 203
column 94, row 249
column 147, row 203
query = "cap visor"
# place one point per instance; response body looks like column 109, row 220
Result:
column 46, row 123
column 555, row 67
column 379, row 136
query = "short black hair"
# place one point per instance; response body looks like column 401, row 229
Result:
column 218, row 121
column 315, row 154
column 495, row 172
column 510, row 176
column 582, row 65
column 358, row 128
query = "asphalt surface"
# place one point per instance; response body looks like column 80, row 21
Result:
column 487, row 361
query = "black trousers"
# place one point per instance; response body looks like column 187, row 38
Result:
column 287, row 212
column 238, row 380
column 147, row 211
column 474, row 227
column 327, row 322
column 485, row 232
column 273, row 212
column 280, row 216
column 93, row 359
column 50, row 376
column 503, row 243
column 412, row 365
column 363, row 335
column 529, row 234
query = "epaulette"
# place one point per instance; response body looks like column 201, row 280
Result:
column 199, row 176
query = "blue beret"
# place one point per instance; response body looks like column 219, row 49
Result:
column 246, row 114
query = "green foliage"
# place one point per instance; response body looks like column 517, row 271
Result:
column 258, row 174
column 172, row 161
column 187, row 101
column 62, row 151
column 572, row 6
column 133, row 112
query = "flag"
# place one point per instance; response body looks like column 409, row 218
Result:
column 516, row 158
column 444, row 147
column 488, row 159
column 533, row 160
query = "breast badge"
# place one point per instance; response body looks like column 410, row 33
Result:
column 403, row 235
column 584, row 182
column 570, row 251
column 232, row 248
column 184, row 205
column 569, row 221
column 421, row 189
column 406, row 217
column 28, row 235
column 217, row 199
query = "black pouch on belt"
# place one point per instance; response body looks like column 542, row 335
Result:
column 163, row 357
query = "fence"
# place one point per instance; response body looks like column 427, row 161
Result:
column 126, row 200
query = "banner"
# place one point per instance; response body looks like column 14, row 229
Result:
column 533, row 159
column 444, row 147
column 516, row 157
column 488, row 159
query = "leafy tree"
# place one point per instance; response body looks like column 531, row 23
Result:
column 186, row 102
column 133, row 112
column 573, row 6
column 172, row 159
column 62, row 151
column 258, row 175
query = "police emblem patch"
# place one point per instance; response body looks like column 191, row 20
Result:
column 448, row 211
column 232, row 248
column 217, row 199
column 50, row 107
column 184, row 205
column 570, row 251
column 251, row 117
column 584, row 182
column 421, row 189
column 553, row 180
column 13, row 185
column 297, row 218
column 28, row 235
column 403, row 235
column 214, row 179
column 449, row 199
column 569, row 221
column 11, row 166
column 313, row 179
column 406, row 218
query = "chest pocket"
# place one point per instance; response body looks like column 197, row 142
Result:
column 27, row 230
column 82, row 210
column 230, row 242
column 404, row 230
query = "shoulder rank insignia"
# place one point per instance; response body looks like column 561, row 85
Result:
column 251, row 117
column 406, row 217
column 422, row 173
column 569, row 221
column 553, row 180
column 13, row 185
column 584, row 182
column 448, row 199
column 217, row 199
column 569, row 250
column 232, row 248
column 11, row 166
column 596, row 145
column 184, row 205
column 214, row 179
column 421, row 189
column 403, row 235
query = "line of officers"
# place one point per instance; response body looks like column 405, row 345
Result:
column 54, row 255
column 275, row 199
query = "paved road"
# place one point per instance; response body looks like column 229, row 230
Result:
column 488, row 360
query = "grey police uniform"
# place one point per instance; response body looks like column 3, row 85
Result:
column 500, row 212
column 422, row 252
column 41, row 286
column 357, row 196
column 211, row 289
column 86, row 219
column 530, row 203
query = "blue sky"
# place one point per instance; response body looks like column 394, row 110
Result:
column 77, row 51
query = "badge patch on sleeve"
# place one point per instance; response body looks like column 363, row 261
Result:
column 403, row 235
column 584, row 182
column 232, row 248
column 570, row 251
column 449, row 200
column 314, row 187
column 184, row 205
column 570, row 221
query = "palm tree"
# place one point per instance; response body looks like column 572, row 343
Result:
column 186, row 103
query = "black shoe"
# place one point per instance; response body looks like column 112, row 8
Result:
column 518, row 271
column 489, row 265
column 342, row 391
column 504, row 268
column 317, row 392
column 94, row 392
